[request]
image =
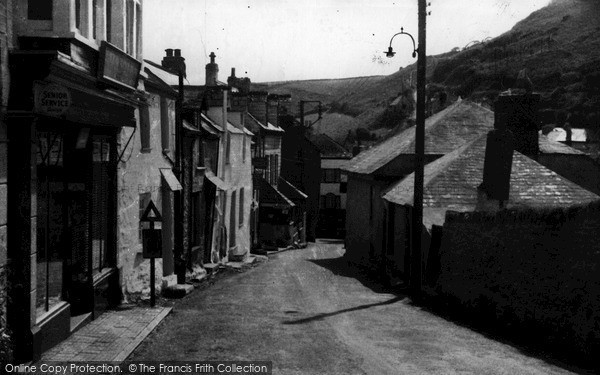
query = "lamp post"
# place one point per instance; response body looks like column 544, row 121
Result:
column 417, row 213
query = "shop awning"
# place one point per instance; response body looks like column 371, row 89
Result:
column 220, row 184
column 169, row 177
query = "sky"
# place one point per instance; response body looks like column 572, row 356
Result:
column 282, row 40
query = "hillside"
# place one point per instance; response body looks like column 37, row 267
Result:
column 559, row 46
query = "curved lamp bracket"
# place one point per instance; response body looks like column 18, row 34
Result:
column 390, row 52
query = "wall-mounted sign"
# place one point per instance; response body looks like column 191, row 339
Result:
column 117, row 67
column 81, row 105
column 52, row 99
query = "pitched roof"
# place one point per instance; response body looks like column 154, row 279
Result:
column 167, row 76
column 328, row 147
column 268, row 126
column 451, row 183
column 290, row 190
column 270, row 195
column 445, row 131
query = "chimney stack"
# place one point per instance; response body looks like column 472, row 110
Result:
column 497, row 165
column 212, row 71
column 257, row 105
column 174, row 63
column 517, row 111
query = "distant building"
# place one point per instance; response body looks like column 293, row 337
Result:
column 301, row 166
column 373, row 171
column 281, row 212
column 334, row 183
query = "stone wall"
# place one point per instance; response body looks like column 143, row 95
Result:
column 138, row 173
column 535, row 271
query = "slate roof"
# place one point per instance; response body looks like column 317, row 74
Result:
column 168, row 77
column 268, row 127
column 290, row 191
column 328, row 147
column 452, row 181
column 233, row 129
column 270, row 195
column 445, row 131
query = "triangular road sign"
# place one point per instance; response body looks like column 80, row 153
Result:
column 151, row 213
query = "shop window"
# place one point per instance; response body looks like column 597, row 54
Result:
column 50, row 221
column 39, row 10
column 241, row 214
column 232, row 220
column 100, row 198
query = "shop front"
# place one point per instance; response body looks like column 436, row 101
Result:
column 63, row 130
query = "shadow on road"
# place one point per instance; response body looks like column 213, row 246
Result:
column 327, row 315
column 339, row 266
column 498, row 332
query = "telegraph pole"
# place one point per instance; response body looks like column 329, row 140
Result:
column 416, row 274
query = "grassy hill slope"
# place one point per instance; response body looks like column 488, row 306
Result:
column 559, row 46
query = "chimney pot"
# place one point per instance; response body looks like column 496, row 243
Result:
column 169, row 52
column 233, row 72
column 212, row 71
column 177, row 53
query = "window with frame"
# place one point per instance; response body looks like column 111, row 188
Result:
column 109, row 21
column 78, row 14
column 331, row 175
column 241, row 213
column 129, row 27
column 95, row 6
column 228, row 148
column 330, row 201
column 165, row 131
column 232, row 220
column 39, row 10
column 145, row 128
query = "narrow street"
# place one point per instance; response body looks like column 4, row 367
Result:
column 310, row 314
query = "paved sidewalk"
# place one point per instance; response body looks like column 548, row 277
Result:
column 109, row 338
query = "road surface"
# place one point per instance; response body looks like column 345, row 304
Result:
column 309, row 313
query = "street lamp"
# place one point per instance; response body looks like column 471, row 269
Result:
column 390, row 52
column 416, row 258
